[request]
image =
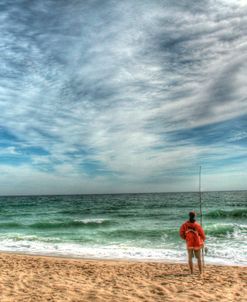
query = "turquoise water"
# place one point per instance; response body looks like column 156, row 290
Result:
column 124, row 226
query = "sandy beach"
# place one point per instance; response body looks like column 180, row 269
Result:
column 39, row 278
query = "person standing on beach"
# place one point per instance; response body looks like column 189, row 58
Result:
column 193, row 233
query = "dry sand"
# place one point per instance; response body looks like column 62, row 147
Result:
column 35, row 278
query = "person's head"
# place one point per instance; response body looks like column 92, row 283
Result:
column 192, row 216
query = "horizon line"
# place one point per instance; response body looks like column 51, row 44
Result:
column 120, row 193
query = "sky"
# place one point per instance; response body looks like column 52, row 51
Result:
column 101, row 96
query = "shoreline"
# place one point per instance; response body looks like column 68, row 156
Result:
column 138, row 260
column 47, row 278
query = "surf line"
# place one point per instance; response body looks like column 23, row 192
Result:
column 200, row 202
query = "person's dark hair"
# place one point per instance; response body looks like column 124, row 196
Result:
column 192, row 216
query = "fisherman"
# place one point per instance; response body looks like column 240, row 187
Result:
column 193, row 233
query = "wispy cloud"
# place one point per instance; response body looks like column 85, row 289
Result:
column 121, row 96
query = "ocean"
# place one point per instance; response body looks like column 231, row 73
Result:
column 124, row 226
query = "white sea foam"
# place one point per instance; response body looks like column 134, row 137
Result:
column 227, row 255
column 92, row 220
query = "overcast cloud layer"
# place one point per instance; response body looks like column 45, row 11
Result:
column 122, row 96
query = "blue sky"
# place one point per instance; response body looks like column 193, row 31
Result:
column 122, row 96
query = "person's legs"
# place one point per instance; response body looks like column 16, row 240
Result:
column 199, row 260
column 190, row 261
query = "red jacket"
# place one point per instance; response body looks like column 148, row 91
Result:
column 194, row 235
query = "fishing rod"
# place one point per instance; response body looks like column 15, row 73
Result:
column 200, row 200
column 200, row 194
